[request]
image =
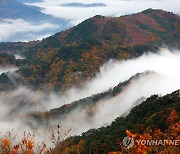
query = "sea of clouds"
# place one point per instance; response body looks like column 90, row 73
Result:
column 163, row 78
column 76, row 11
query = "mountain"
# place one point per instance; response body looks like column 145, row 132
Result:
column 83, row 5
column 70, row 57
column 156, row 118
column 148, row 27
column 80, row 51
column 26, row 22
column 89, row 104
column 16, row 47
column 13, row 9
column 29, row 1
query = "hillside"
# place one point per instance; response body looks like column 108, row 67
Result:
column 70, row 57
column 19, row 11
column 89, row 104
column 63, row 84
column 16, row 47
column 147, row 27
column 155, row 117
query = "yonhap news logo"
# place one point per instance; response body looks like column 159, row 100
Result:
column 128, row 142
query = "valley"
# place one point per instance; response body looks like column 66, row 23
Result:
column 96, row 82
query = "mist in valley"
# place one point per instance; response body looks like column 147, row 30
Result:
column 7, row 69
column 162, row 78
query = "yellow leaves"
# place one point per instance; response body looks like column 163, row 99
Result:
column 46, row 57
column 123, row 55
column 52, row 77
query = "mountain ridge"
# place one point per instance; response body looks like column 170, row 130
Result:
column 72, row 56
column 14, row 9
column 145, row 119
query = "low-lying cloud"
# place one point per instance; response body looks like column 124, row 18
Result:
column 19, row 56
column 163, row 78
column 112, row 8
column 21, row 30
column 76, row 11
column 7, row 69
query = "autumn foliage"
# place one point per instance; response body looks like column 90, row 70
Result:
column 27, row 144
column 172, row 133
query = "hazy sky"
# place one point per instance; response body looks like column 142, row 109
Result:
column 112, row 8
column 21, row 30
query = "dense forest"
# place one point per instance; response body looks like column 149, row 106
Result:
column 72, row 56
column 157, row 114
column 88, row 103
column 157, row 117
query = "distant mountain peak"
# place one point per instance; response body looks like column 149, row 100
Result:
column 14, row 9
column 75, row 4
column 155, row 11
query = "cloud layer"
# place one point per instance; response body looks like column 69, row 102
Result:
column 163, row 79
column 21, row 30
column 7, row 69
column 112, row 8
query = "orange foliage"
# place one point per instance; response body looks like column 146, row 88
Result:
column 172, row 133
column 115, row 152
column 6, row 143
column 173, row 116
column 137, row 35
column 27, row 145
